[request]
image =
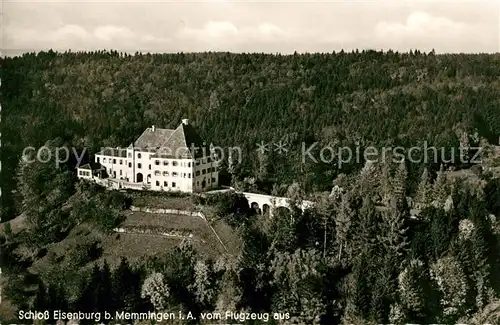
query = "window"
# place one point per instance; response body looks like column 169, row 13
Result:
column 114, row 161
column 173, row 184
column 97, row 159
column 213, row 180
column 130, row 165
column 139, row 165
column 189, row 164
column 157, row 173
column 189, row 175
column 120, row 172
column 165, row 184
column 165, row 173
column 197, row 173
column 130, row 155
column 209, row 181
column 165, row 163
column 209, row 160
column 174, row 163
column 139, row 155
column 121, row 162
column 197, row 183
column 204, row 171
column 157, row 183
column 157, row 162
column 103, row 160
column 197, row 162
column 213, row 169
column 149, row 167
column 174, row 174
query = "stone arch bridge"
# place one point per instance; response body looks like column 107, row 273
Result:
column 268, row 203
column 263, row 203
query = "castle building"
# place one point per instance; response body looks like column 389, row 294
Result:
column 159, row 160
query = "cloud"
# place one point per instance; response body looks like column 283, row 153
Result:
column 251, row 26
column 424, row 31
column 75, row 37
column 227, row 32
column 420, row 24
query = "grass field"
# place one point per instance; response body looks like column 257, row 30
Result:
column 136, row 247
column 162, row 200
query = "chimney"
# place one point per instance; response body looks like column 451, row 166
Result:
column 185, row 121
column 153, row 128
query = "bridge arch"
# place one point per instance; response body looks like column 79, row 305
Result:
column 255, row 207
column 268, row 203
column 266, row 209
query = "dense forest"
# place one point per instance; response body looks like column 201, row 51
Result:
column 341, row 99
column 385, row 242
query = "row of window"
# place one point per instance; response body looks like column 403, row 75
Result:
column 174, row 174
column 204, row 171
column 84, row 173
column 174, row 163
column 165, row 184
column 202, row 183
column 204, row 161
column 113, row 161
column 157, row 162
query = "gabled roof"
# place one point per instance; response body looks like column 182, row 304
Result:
column 91, row 166
column 184, row 142
column 150, row 139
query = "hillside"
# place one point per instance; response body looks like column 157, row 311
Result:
column 371, row 98
column 361, row 255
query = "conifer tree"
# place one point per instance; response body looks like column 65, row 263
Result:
column 103, row 289
column 386, row 186
column 400, row 182
column 40, row 300
column 56, row 298
column 440, row 188
column 125, row 287
column 393, row 230
column 343, row 226
column 366, row 226
column 424, row 190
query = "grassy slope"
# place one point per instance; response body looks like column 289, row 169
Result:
column 136, row 247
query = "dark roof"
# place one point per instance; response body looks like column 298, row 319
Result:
column 152, row 139
column 114, row 152
column 91, row 166
column 184, row 142
column 86, row 166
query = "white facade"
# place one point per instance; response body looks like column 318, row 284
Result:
column 162, row 160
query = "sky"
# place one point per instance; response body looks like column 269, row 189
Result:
column 250, row 26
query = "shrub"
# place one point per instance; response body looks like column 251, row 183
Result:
column 85, row 252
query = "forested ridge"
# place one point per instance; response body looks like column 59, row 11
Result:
column 372, row 98
column 385, row 241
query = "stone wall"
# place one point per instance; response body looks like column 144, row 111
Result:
column 154, row 230
column 166, row 211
